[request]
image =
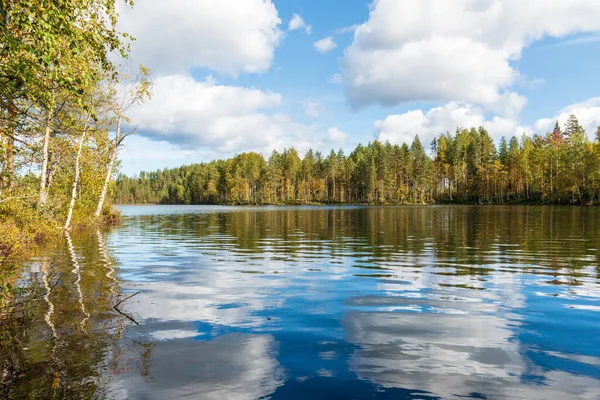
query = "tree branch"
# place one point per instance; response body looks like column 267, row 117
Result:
column 125, row 299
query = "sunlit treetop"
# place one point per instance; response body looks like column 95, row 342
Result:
column 49, row 45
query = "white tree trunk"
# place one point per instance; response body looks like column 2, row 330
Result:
column 109, row 169
column 43, row 178
column 75, row 181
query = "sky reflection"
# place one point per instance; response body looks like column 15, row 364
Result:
column 403, row 302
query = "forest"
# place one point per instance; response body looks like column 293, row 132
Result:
column 560, row 167
column 65, row 88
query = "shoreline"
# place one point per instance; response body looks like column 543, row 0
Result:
column 546, row 204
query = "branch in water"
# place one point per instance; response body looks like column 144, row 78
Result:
column 116, row 307
column 125, row 299
column 126, row 316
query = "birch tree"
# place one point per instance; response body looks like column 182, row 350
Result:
column 76, row 174
column 133, row 92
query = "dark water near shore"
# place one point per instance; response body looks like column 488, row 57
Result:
column 315, row 302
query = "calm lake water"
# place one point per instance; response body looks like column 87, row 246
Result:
column 430, row 302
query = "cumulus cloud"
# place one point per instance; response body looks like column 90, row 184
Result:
column 190, row 113
column 325, row 45
column 298, row 23
column 227, row 36
column 191, row 117
column 587, row 112
column 402, row 128
column 435, row 50
column 336, row 136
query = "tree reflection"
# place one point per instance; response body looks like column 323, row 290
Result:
column 474, row 240
column 58, row 344
column 442, row 300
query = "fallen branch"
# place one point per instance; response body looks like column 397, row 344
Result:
column 126, row 316
column 116, row 307
column 125, row 299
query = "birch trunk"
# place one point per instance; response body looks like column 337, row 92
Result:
column 109, row 169
column 43, row 178
column 9, row 167
column 75, row 181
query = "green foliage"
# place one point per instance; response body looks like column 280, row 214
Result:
column 464, row 167
column 48, row 348
column 50, row 45
column 21, row 226
column 59, row 101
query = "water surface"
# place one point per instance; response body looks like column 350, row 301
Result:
column 317, row 302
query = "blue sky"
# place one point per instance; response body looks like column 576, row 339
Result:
column 232, row 76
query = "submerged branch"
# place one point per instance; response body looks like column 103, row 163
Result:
column 125, row 299
column 126, row 316
column 116, row 307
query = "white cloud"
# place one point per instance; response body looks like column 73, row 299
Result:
column 315, row 139
column 402, row 128
column 325, row 45
column 336, row 136
column 298, row 23
column 587, row 112
column 228, row 36
column 436, row 50
column 189, row 121
column 189, row 113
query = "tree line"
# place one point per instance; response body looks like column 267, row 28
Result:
column 561, row 167
column 63, row 98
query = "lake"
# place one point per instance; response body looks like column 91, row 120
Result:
column 432, row 302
